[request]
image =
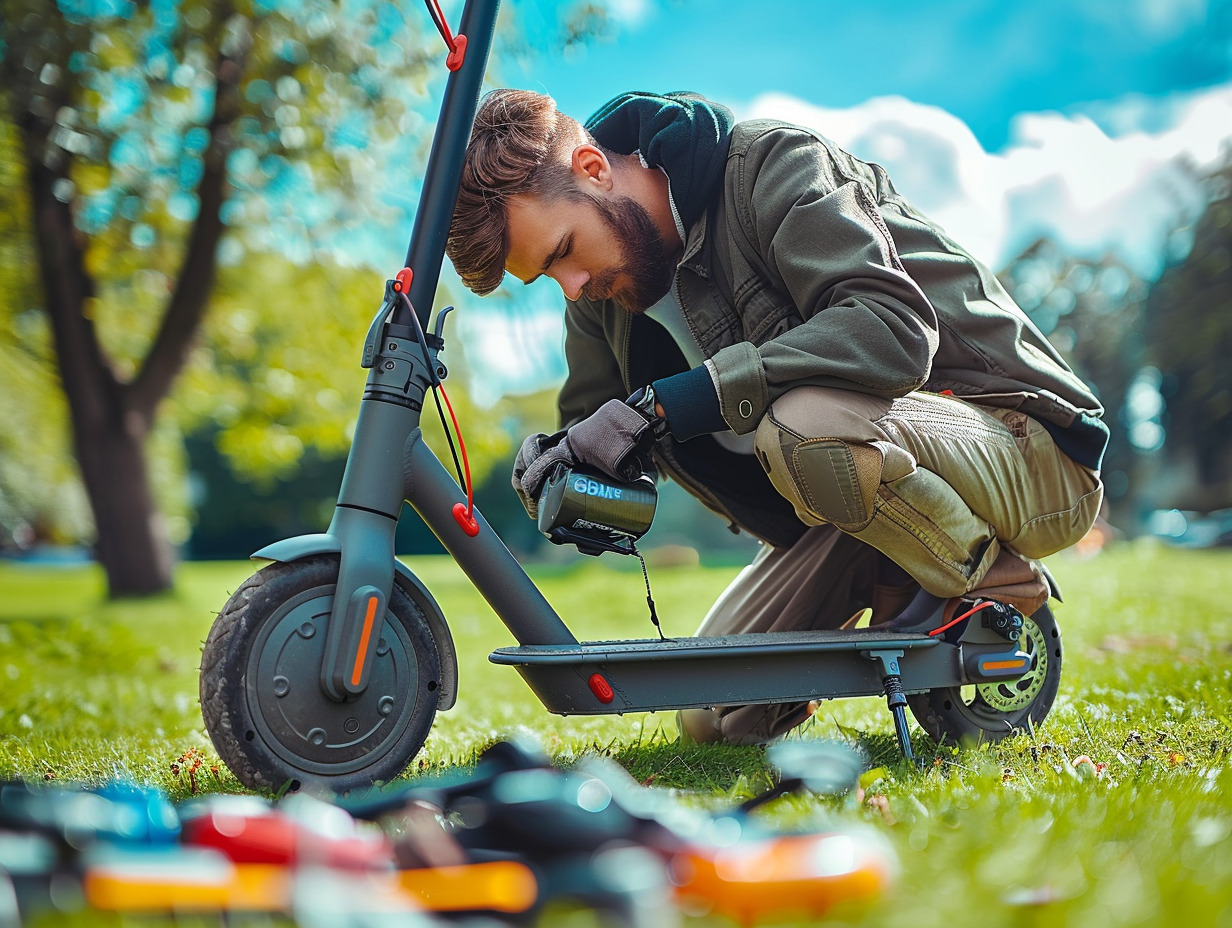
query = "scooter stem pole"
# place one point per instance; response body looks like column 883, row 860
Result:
column 444, row 170
column 370, row 498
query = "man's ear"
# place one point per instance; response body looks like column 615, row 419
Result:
column 591, row 165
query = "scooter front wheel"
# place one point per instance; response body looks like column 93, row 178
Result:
column 261, row 696
column 992, row 711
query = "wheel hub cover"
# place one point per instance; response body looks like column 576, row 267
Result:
column 292, row 713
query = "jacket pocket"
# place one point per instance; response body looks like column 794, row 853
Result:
column 764, row 313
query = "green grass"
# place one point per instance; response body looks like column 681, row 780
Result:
column 1010, row 835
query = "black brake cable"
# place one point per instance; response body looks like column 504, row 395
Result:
column 436, row 382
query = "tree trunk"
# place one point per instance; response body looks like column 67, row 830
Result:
column 108, row 434
column 132, row 544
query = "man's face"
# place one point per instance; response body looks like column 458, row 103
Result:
column 596, row 248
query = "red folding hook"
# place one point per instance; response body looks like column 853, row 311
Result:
column 456, row 43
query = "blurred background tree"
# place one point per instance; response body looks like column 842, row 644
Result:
column 40, row 492
column 144, row 132
column 144, row 147
column 1189, row 330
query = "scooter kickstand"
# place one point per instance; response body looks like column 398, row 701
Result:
column 896, row 699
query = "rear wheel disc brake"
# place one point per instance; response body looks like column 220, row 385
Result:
column 1016, row 695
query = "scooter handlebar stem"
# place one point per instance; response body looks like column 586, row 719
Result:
column 444, row 170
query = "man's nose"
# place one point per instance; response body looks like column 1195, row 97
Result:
column 572, row 282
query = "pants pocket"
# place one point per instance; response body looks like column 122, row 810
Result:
column 1050, row 533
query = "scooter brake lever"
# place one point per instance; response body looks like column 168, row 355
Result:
column 438, row 327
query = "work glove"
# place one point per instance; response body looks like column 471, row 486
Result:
column 532, row 448
column 615, row 439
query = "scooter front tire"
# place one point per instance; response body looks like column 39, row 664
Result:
column 261, row 697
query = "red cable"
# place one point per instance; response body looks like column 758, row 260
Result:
column 466, row 464
column 965, row 615
column 455, row 43
column 442, row 26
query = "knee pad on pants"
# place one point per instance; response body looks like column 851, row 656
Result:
column 826, row 479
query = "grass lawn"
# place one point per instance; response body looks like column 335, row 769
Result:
column 1013, row 835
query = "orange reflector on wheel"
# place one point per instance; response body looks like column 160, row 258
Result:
column 1017, row 664
column 362, row 651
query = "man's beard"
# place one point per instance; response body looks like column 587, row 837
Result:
column 646, row 260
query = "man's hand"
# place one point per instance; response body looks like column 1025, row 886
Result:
column 532, row 448
column 616, row 439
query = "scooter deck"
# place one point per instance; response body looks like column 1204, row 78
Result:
column 677, row 673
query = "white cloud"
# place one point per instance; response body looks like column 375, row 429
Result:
column 513, row 342
column 1060, row 175
column 629, row 12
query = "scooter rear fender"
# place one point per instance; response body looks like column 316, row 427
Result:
column 302, row 546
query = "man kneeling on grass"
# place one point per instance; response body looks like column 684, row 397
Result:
column 761, row 317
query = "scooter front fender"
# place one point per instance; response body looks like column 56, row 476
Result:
column 302, row 546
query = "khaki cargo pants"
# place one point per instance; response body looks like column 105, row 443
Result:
column 931, row 484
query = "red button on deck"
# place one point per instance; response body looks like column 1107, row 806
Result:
column 601, row 688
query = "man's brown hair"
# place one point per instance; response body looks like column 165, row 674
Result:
column 514, row 149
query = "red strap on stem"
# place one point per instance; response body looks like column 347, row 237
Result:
column 457, row 44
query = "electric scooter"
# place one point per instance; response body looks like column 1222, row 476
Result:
column 328, row 666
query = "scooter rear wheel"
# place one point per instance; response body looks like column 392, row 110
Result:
column 992, row 711
column 261, row 697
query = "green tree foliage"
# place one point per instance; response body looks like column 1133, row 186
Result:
column 148, row 137
column 1091, row 311
column 1157, row 355
column 277, row 373
column 1189, row 329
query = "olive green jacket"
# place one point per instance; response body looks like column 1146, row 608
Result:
column 810, row 268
